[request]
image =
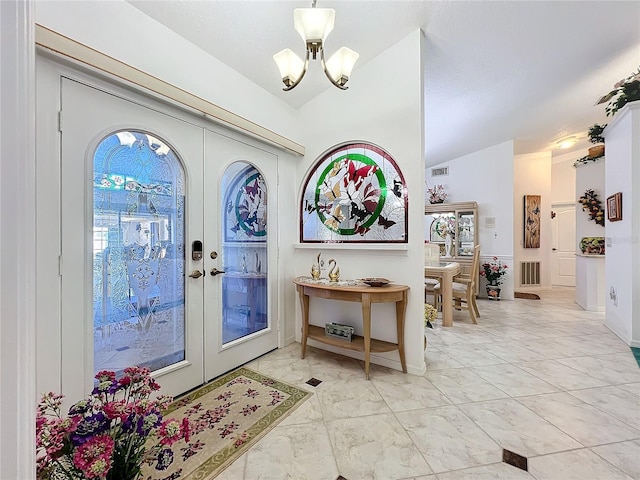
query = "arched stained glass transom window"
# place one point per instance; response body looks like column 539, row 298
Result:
column 354, row 193
column 138, row 253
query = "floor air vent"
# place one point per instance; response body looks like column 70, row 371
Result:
column 529, row 273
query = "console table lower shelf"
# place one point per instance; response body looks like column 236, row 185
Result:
column 366, row 296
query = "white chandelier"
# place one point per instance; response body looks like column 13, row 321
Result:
column 314, row 25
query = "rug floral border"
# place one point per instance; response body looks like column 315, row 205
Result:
column 222, row 458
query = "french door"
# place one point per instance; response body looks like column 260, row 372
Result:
column 166, row 259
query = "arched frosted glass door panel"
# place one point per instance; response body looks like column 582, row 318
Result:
column 138, row 253
column 244, row 284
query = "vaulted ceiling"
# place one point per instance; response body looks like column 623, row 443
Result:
column 530, row 71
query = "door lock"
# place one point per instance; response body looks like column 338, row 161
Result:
column 213, row 254
column 196, row 274
column 214, row 271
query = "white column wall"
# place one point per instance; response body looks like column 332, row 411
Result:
column 385, row 108
column 17, row 242
column 623, row 237
column 590, row 176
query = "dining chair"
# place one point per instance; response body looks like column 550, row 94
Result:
column 431, row 257
column 464, row 288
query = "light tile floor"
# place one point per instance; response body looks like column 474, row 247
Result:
column 541, row 378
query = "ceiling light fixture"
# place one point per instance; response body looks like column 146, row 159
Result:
column 314, row 25
column 567, row 142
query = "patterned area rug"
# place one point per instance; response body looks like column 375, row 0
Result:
column 228, row 416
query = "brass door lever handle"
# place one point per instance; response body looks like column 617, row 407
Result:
column 214, row 271
column 196, row 274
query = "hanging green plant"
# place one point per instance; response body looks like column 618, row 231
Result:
column 593, row 206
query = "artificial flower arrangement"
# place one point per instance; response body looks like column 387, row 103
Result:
column 437, row 194
column 593, row 206
column 445, row 225
column 494, row 271
column 109, row 435
column 430, row 315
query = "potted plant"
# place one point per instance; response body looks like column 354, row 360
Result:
column 110, row 434
column 595, row 137
column 493, row 271
column 625, row 91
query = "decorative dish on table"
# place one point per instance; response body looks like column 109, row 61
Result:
column 375, row 281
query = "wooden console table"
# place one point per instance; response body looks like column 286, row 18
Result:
column 354, row 293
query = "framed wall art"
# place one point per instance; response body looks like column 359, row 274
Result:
column 614, row 207
column 354, row 193
column 531, row 221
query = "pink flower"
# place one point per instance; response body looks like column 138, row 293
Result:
column 170, row 432
column 94, row 456
column 105, row 376
column 186, row 429
column 116, row 409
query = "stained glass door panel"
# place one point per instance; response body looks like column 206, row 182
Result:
column 239, row 304
column 244, row 286
column 138, row 253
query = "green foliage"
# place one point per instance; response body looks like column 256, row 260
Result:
column 626, row 90
column 595, row 133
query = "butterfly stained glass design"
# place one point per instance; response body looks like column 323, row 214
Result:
column 246, row 207
column 354, row 193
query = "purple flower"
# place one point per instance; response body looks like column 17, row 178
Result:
column 165, row 458
column 89, row 427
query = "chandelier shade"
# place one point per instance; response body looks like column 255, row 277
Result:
column 341, row 63
column 314, row 25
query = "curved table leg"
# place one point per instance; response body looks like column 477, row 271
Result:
column 401, row 308
column 304, row 305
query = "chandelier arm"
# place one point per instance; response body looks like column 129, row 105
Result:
column 304, row 70
column 326, row 72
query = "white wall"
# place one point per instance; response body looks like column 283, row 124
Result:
column 166, row 55
column 590, row 176
column 532, row 176
column 486, row 177
column 563, row 178
column 17, row 242
column 371, row 111
column 623, row 237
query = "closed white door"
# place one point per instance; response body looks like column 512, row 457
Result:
column 239, row 199
column 563, row 252
column 143, row 247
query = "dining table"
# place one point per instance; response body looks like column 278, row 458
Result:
column 444, row 271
